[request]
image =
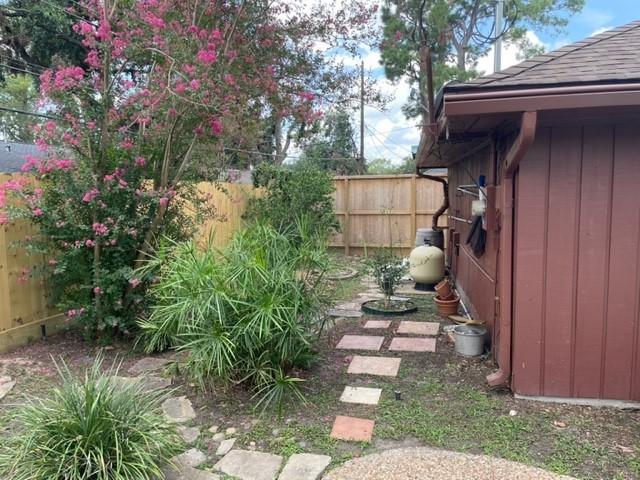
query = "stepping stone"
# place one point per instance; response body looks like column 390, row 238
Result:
column 378, row 324
column 6, row 385
column 149, row 383
column 352, row 429
column 248, row 465
column 384, row 366
column 360, row 342
column 348, row 306
column 304, row 466
column 410, row 344
column 364, row 395
column 225, row 446
column 148, row 364
column 334, row 312
column 190, row 458
column 189, row 434
column 419, row 328
column 178, row 410
column 190, row 473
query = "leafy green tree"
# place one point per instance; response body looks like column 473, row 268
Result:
column 36, row 34
column 456, row 33
column 333, row 147
column 17, row 93
column 384, row 166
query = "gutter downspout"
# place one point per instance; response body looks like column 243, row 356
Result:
column 516, row 153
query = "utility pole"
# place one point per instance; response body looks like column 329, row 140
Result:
column 362, row 162
column 497, row 58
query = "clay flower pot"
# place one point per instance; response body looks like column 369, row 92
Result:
column 443, row 289
column 447, row 307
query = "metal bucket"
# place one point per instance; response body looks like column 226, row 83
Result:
column 470, row 340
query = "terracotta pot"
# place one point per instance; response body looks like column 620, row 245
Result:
column 447, row 307
column 443, row 289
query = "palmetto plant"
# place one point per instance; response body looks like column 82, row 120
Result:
column 246, row 314
column 90, row 428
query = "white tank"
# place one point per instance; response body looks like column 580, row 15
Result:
column 426, row 264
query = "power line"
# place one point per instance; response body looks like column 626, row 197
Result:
column 375, row 137
column 394, row 143
column 24, row 112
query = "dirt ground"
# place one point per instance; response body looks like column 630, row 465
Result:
column 445, row 403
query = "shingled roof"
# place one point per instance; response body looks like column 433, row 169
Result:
column 612, row 56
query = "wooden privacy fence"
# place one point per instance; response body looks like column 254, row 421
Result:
column 374, row 211
column 382, row 210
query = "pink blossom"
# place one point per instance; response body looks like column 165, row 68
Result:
column 68, row 77
column 97, row 290
column 207, row 56
column 398, row 36
column 189, row 70
column 71, row 313
column 230, row 79
column 90, row 195
column 93, row 59
column 134, row 282
column 216, row 126
column 140, row 161
column 90, row 243
column 308, row 96
column 164, row 201
column 37, row 212
column 154, row 21
column 195, row 84
column 100, row 229
column 64, row 164
column 127, row 144
column 91, row 125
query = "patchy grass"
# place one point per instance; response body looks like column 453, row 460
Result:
column 445, row 403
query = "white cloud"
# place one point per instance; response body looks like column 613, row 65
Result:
column 600, row 30
column 594, row 18
column 509, row 55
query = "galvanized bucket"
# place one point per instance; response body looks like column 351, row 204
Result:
column 470, row 340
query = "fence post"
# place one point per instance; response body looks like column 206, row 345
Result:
column 346, row 234
column 414, row 207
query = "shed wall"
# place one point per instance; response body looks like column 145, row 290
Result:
column 475, row 277
column 577, row 264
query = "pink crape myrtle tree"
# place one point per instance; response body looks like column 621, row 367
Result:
column 165, row 86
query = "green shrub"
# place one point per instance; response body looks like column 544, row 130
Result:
column 387, row 269
column 303, row 190
column 244, row 315
column 90, row 428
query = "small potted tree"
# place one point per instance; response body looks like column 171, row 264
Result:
column 387, row 269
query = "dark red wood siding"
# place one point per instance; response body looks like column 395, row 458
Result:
column 475, row 277
column 577, row 264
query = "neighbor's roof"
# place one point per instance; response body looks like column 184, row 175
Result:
column 612, row 56
column 12, row 155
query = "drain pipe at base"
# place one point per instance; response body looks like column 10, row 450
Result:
column 516, row 153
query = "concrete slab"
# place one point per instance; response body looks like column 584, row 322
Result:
column 411, row 344
column 334, row 312
column 191, row 458
column 225, row 446
column 190, row 473
column 304, row 466
column 360, row 342
column 6, row 385
column 352, row 429
column 248, row 465
column 178, row 409
column 384, row 366
column 419, row 328
column 363, row 395
column 148, row 364
column 189, row 434
column 377, row 324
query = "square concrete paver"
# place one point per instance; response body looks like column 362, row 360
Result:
column 360, row 342
column 364, row 395
column 383, row 366
column 304, row 466
column 377, row 324
column 419, row 328
column 410, row 344
column 353, row 429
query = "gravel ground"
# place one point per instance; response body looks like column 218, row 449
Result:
column 431, row 464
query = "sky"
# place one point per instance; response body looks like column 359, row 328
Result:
column 388, row 134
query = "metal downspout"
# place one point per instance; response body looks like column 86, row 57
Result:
column 516, row 153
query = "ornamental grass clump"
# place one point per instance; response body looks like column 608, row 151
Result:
column 90, row 428
column 244, row 315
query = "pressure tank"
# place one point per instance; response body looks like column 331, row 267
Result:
column 430, row 236
column 426, row 265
